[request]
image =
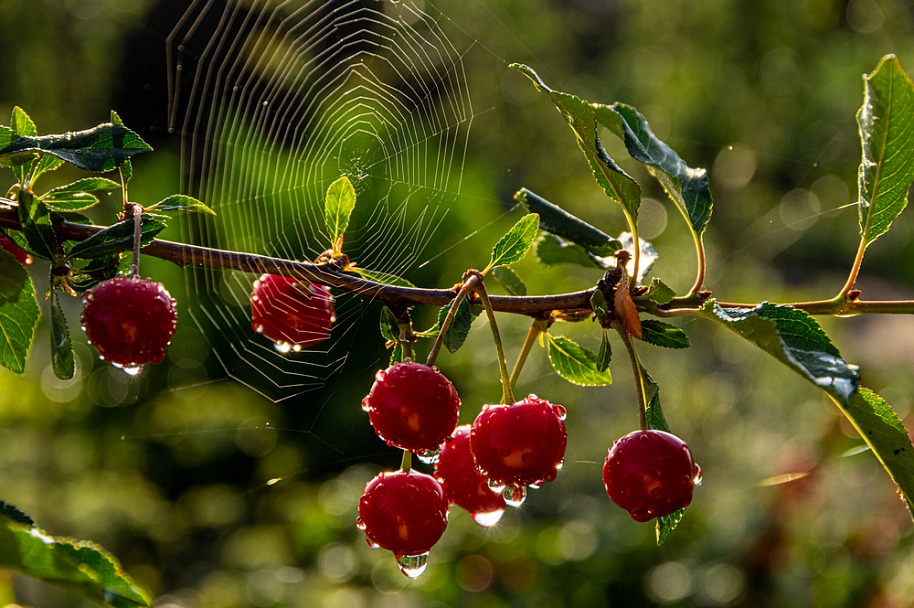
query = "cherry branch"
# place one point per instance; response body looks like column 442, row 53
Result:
column 571, row 305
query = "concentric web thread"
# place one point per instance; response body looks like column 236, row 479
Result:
column 274, row 100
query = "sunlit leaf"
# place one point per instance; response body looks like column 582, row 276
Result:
column 116, row 238
column 514, row 245
column 338, row 206
column 658, row 292
column 663, row 334
column 886, row 122
column 379, row 277
column 98, row 149
column 62, row 360
column 36, row 226
column 181, row 202
column 575, row 363
column 459, row 329
column 510, row 280
column 19, row 313
column 559, row 222
column 551, row 250
column 604, row 357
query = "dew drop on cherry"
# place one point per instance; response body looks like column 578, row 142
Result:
column 413, row 565
column 282, row 348
column 515, row 495
column 496, row 487
column 130, row 370
column 428, row 456
column 488, row 519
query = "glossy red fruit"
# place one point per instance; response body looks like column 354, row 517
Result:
column 413, row 407
column 465, row 486
column 293, row 314
column 519, row 445
column 404, row 512
column 22, row 256
column 129, row 320
column 650, row 474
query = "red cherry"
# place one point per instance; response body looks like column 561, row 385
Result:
column 650, row 474
column 404, row 512
column 292, row 313
column 465, row 486
column 519, row 445
column 22, row 256
column 129, row 320
column 413, row 406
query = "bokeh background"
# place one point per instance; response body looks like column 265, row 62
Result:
column 213, row 496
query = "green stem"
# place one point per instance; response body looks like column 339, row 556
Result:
column 636, row 245
column 407, row 463
column 636, row 369
column 468, row 285
column 852, row 276
column 137, row 213
column 507, row 390
column 538, row 326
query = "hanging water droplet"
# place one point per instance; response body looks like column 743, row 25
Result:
column 296, row 348
column 258, row 329
column 428, row 456
column 515, row 495
column 359, row 523
column 489, row 518
column 379, row 377
column 282, row 347
column 536, row 485
column 130, row 370
column 697, row 478
column 413, row 565
column 366, row 405
column 496, row 487
column 560, row 411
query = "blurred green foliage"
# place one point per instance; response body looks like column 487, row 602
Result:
column 212, row 496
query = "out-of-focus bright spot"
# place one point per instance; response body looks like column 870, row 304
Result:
column 652, row 218
column 254, row 439
column 337, row 561
column 59, row 390
column 336, row 496
column 721, row 584
column 669, row 582
column 386, row 576
column 865, row 16
column 274, row 481
column 734, row 167
column 799, row 209
column 776, row 480
column 475, row 573
column 345, row 598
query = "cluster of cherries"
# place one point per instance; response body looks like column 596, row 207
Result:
column 481, row 468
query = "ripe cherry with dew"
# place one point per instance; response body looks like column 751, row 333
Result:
column 129, row 320
column 413, row 407
column 465, row 486
column 21, row 256
column 650, row 474
column 519, row 445
column 293, row 314
column 404, row 512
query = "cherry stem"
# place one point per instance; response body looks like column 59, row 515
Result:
column 407, row 463
column 538, row 327
column 465, row 288
column 137, row 213
column 636, row 369
column 507, row 386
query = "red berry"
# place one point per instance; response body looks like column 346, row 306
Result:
column 413, row 406
column 465, row 486
column 22, row 256
column 292, row 313
column 650, row 474
column 404, row 512
column 129, row 320
column 519, row 445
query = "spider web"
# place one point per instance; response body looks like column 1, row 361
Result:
column 274, row 100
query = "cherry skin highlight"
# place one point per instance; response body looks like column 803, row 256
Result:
column 403, row 512
column 465, row 486
column 521, row 444
column 413, row 407
column 21, row 255
column 650, row 474
column 293, row 314
column 129, row 320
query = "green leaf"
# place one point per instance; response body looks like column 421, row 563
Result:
column 116, row 119
column 886, row 122
column 36, row 226
column 380, row 277
column 99, row 149
column 181, row 202
column 23, row 125
column 510, row 280
column 551, row 250
column 70, row 201
column 879, row 426
column 663, row 334
column 514, row 245
column 390, row 329
column 80, row 566
column 62, row 360
column 796, row 339
column 89, row 273
column 338, row 208
column 604, row 357
column 45, row 164
column 10, row 512
column 116, row 238
column 19, row 313
column 666, row 524
column 615, row 182
column 575, row 363
column 460, row 326
column 686, row 186
column 658, row 292
column 559, row 222
column 600, row 307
